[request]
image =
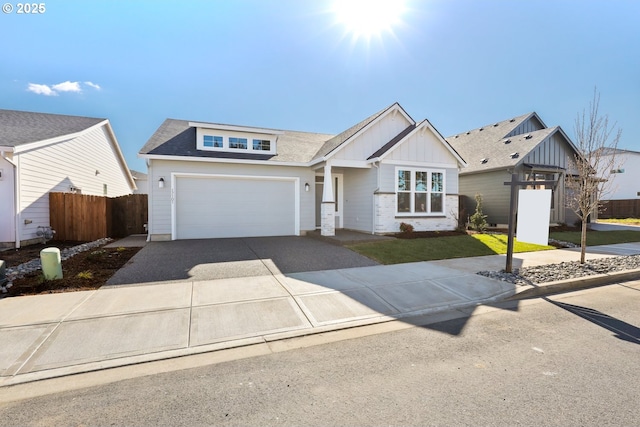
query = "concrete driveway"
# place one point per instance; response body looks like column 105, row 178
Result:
column 208, row 259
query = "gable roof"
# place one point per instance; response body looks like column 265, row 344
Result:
column 23, row 127
column 489, row 148
column 343, row 137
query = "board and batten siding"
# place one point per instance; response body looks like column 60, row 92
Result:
column 373, row 138
column 553, row 151
column 359, row 187
column 160, row 198
column 87, row 162
column 527, row 126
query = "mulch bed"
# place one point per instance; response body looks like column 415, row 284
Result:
column 84, row 271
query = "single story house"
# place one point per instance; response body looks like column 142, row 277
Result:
column 523, row 145
column 42, row 153
column 213, row 180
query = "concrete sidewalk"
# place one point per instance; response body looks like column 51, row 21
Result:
column 47, row 336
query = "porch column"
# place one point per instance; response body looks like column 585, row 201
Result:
column 328, row 207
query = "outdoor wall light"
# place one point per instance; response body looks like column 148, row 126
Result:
column 306, row 186
column 161, row 182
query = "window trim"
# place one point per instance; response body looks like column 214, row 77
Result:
column 412, row 191
column 227, row 136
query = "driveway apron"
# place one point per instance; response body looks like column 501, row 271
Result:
column 210, row 259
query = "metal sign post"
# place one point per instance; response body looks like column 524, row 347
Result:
column 513, row 208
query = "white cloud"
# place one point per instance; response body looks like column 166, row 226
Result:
column 67, row 87
column 41, row 89
column 93, row 85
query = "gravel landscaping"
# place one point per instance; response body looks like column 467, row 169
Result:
column 565, row 270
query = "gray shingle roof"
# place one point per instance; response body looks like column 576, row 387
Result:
column 23, row 127
column 176, row 138
column 485, row 148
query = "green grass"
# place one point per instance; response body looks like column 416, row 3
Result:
column 598, row 237
column 429, row 249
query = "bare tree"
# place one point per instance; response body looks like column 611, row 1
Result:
column 596, row 143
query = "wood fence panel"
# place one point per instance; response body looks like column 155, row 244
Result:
column 629, row 208
column 82, row 217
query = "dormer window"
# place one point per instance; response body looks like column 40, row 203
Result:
column 235, row 139
column 238, row 143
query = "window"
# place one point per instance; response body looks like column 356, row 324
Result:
column 419, row 191
column 240, row 143
column 212, row 141
column 261, row 145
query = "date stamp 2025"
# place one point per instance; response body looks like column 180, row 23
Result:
column 24, row 8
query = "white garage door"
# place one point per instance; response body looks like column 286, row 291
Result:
column 207, row 207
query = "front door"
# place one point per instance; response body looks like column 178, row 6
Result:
column 337, row 196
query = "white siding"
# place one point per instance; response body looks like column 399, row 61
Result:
column 624, row 185
column 423, row 146
column 359, row 187
column 160, row 198
column 7, row 208
column 72, row 163
column 373, row 138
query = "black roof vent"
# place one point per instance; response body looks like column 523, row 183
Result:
column 507, row 141
column 481, row 129
column 512, row 120
column 496, row 125
column 483, row 161
column 527, row 136
column 514, row 155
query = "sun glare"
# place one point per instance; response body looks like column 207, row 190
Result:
column 368, row 18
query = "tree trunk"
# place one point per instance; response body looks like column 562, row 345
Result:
column 583, row 240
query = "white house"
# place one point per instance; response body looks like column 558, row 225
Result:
column 624, row 175
column 212, row 180
column 43, row 153
column 142, row 182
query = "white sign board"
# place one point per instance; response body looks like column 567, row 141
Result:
column 534, row 209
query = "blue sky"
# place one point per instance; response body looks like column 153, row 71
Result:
column 290, row 64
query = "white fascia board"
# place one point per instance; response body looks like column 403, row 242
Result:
column 363, row 164
column 123, row 161
column 7, row 149
column 419, row 164
column 43, row 143
column 425, row 124
column 235, row 128
column 221, row 160
column 394, row 108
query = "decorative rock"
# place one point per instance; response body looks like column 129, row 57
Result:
column 564, row 270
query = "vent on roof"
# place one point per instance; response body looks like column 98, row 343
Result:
column 481, row 129
column 457, row 136
column 468, row 132
column 527, row 136
column 496, row 125
column 507, row 141
column 514, row 155
column 483, row 161
column 512, row 120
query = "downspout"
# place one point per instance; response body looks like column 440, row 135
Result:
column 150, row 188
column 376, row 164
column 16, row 199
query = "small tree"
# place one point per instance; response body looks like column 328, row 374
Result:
column 596, row 143
column 478, row 220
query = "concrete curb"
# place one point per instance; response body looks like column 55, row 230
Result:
column 567, row 285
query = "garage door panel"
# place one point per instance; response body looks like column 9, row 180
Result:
column 234, row 207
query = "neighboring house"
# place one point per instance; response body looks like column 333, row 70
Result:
column 142, row 182
column 523, row 145
column 211, row 180
column 43, row 153
column 625, row 174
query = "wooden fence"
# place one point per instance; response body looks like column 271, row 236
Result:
column 620, row 209
column 81, row 217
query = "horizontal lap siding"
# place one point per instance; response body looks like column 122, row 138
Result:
column 495, row 195
column 58, row 167
column 160, row 198
column 359, row 186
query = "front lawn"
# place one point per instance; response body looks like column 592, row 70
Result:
column 598, row 237
column 430, row 249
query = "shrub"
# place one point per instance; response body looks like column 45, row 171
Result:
column 406, row 228
column 85, row 275
column 478, row 221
